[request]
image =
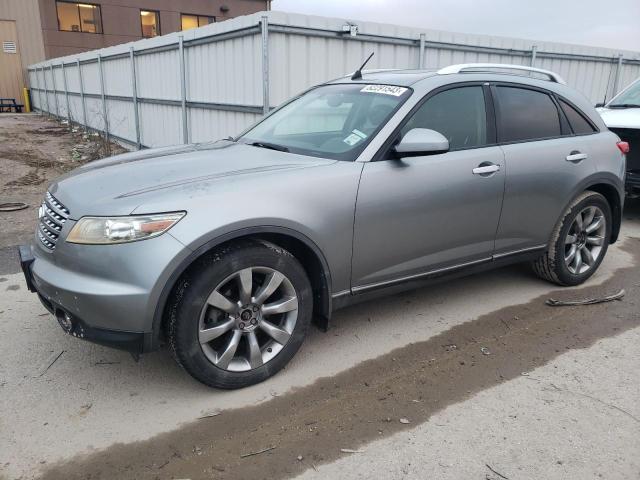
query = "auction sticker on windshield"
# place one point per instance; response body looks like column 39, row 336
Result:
column 385, row 89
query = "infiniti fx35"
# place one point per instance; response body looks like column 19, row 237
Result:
column 228, row 251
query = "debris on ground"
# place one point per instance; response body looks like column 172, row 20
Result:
column 53, row 358
column 404, row 420
column 496, row 473
column 349, row 450
column 215, row 413
column 587, row 301
column 251, row 454
column 485, row 351
column 12, row 206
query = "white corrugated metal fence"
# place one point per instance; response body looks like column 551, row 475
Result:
column 214, row 81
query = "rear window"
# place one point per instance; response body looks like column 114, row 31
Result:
column 579, row 123
column 526, row 115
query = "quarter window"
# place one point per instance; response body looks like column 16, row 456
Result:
column 150, row 21
column 579, row 124
column 79, row 17
column 459, row 114
column 195, row 21
column 526, row 115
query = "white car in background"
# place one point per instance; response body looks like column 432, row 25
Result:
column 622, row 116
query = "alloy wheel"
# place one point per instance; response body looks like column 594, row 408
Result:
column 248, row 318
column 584, row 240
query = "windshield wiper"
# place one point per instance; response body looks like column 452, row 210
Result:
column 270, row 146
column 624, row 105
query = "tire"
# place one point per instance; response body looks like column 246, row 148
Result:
column 553, row 265
column 246, row 352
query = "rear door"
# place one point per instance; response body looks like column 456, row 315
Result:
column 429, row 213
column 544, row 160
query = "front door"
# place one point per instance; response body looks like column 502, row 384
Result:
column 423, row 214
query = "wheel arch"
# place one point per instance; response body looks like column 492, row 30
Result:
column 610, row 192
column 298, row 244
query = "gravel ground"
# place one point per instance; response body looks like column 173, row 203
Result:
column 404, row 381
column 33, row 151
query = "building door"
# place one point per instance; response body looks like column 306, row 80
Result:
column 11, row 79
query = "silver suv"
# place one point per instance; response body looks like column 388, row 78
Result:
column 362, row 186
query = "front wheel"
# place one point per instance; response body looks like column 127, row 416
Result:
column 240, row 314
column 578, row 243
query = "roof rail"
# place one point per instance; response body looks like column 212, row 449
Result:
column 486, row 67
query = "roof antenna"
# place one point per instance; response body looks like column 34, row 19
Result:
column 357, row 75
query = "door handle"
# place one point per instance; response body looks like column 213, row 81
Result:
column 486, row 170
column 576, row 157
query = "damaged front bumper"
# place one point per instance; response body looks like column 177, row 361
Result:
column 70, row 322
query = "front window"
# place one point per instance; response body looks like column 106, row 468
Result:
column 332, row 121
column 195, row 21
column 150, row 21
column 79, row 17
column 628, row 98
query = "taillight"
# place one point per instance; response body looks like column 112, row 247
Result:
column 624, row 147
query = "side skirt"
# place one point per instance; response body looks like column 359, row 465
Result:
column 366, row 293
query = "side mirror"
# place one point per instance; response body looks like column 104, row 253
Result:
column 421, row 141
column 600, row 104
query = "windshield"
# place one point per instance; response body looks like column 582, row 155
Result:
column 629, row 97
column 332, row 121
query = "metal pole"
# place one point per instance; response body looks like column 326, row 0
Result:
column 66, row 92
column 423, row 38
column 84, row 105
column 264, row 29
column 105, row 123
column 46, row 90
column 55, row 90
column 134, row 93
column 616, row 81
column 183, row 90
column 39, row 90
column 534, row 53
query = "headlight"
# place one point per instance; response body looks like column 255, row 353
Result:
column 107, row 230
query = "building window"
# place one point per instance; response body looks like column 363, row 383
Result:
column 79, row 17
column 150, row 21
column 194, row 21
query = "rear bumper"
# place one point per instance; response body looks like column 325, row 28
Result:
column 71, row 322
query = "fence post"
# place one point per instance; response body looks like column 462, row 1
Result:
column 66, row 92
column 422, row 48
column 534, row 53
column 183, row 91
column 264, row 29
column 46, row 90
column 134, row 94
column 616, row 81
column 105, row 121
column 84, row 105
column 39, row 90
column 55, row 89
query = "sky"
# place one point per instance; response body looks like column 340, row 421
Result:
column 601, row 23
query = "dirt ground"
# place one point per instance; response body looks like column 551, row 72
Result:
column 475, row 379
column 34, row 150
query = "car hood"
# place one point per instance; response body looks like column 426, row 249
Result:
column 118, row 185
column 620, row 117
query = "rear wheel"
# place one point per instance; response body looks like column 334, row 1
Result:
column 578, row 243
column 240, row 314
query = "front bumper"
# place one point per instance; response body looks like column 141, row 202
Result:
column 104, row 294
column 632, row 182
column 133, row 342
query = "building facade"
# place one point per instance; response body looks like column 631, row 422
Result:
column 35, row 30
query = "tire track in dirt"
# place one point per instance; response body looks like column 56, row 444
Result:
column 366, row 402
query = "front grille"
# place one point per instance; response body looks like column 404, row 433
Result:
column 52, row 217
